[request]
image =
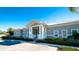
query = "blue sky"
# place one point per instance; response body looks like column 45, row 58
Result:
column 19, row 17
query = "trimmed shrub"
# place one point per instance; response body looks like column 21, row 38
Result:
column 16, row 38
column 52, row 40
column 6, row 37
column 60, row 41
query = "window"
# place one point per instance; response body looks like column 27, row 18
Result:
column 64, row 33
column 35, row 30
column 74, row 30
column 56, row 33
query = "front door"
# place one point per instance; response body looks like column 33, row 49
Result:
column 35, row 32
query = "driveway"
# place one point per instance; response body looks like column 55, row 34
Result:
column 27, row 47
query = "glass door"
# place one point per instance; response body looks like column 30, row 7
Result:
column 35, row 31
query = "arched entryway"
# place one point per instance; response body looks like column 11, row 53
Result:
column 35, row 32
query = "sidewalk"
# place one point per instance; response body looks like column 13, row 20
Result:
column 55, row 45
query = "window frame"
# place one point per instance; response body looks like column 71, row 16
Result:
column 56, row 33
column 66, row 33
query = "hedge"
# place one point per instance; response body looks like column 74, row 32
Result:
column 60, row 41
column 16, row 38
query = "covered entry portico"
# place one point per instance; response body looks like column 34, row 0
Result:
column 37, row 30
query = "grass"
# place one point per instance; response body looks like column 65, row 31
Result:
column 67, row 49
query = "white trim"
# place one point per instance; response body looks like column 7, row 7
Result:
column 35, row 25
column 40, row 35
column 30, row 32
column 66, row 33
column 39, row 30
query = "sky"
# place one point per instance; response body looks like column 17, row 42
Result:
column 19, row 17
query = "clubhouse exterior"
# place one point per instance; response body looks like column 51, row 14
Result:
column 39, row 30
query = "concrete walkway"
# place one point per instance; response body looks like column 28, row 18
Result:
column 27, row 47
column 55, row 45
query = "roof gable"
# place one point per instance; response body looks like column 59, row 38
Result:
column 34, row 22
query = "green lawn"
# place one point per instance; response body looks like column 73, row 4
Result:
column 67, row 49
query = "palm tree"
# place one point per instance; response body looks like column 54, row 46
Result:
column 73, row 9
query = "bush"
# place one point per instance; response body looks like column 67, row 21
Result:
column 16, row 38
column 52, row 40
column 6, row 37
column 60, row 41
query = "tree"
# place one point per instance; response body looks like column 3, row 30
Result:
column 1, row 32
column 10, row 31
column 73, row 9
column 75, row 35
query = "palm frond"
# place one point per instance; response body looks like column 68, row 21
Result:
column 73, row 9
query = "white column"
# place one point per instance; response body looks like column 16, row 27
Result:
column 43, row 32
column 40, row 34
column 30, row 32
